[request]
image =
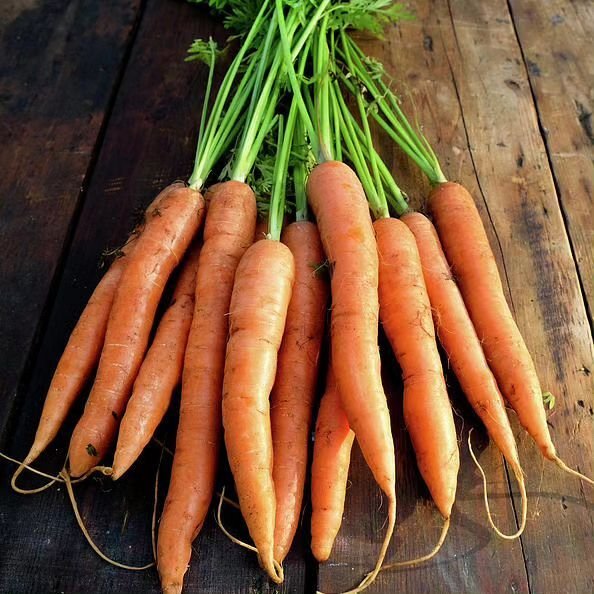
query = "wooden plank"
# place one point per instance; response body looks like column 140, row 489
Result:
column 512, row 166
column 556, row 40
column 472, row 559
column 59, row 64
column 149, row 142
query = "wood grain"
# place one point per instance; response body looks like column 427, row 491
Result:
column 59, row 65
column 556, row 38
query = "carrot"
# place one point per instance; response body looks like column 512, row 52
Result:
column 405, row 313
column 160, row 371
column 157, row 252
column 338, row 201
column 261, row 229
column 259, row 303
column 83, row 349
column 461, row 343
column 296, row 378
column 468, row 251
column 329, row 470
column 228, row 231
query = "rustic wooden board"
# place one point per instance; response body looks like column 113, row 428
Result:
column 465, row 71
column 60, row 63
column 557, row 51
column 461, row 63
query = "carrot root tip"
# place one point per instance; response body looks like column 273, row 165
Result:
column 571, row 471
column 520, row 478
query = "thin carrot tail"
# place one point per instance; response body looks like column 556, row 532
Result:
column 279, row 574
column 571, row 471
column 424, row 558
column 520, row 478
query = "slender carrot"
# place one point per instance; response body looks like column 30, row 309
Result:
column 228, row 231
column 461, row 343
column 160, row 371
column 296, row 378
column 329, row 470
column 261, row 294
column 157, row 252
column 468, row 251
column 338, row 201
column 84, row 347
column 405, row 312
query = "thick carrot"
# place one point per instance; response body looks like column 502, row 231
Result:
column 158, row 251
column 342, row 214
column 462, row 345
column 329, row 470
column 468, row 251
column 261, row 294
column 296, row 378
column 160, row 371
column 84, row 347
column 405, row 313
column 228, row 232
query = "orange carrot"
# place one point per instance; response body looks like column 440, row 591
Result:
column 405, row 313
column 342, row 214
column 228, row 231
column 261, row 294
column 157, row 252
column 261, row 229
column 83, row 349
column 296, row 378
column 329, row 470
column 468, row 251
column 458, row 337
column 160, row 371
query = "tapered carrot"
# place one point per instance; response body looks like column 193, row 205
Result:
column 342, row 215
column 329, row 470
column 228, row 232
column 157, row 252
column 160, row 371
column 296, row 378
column 261, row 294
column 405, row 313
column 461, row 343
column 84, row 347
column 468, row 251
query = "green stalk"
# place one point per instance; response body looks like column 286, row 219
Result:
column 206, row 147
column 300, row 171
column 281, row 168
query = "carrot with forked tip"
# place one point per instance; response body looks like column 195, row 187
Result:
column 160, row 371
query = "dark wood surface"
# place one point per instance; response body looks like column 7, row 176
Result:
column 98, row 111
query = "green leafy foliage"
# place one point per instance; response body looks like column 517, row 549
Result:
column 372, row 16
column 204, row 51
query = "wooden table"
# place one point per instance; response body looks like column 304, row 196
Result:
column 98, row 112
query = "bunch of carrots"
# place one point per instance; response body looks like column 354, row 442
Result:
column 289, row 136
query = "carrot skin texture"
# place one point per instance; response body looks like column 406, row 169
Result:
column 338, row 201
column 405, row 312
column 83, row 348
column 228, row 232
column 459, row 339
column 467, row 249
column 158, row 251
column 160, row 371
column 329, row 470
column 259, row 303
column 296, row 379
